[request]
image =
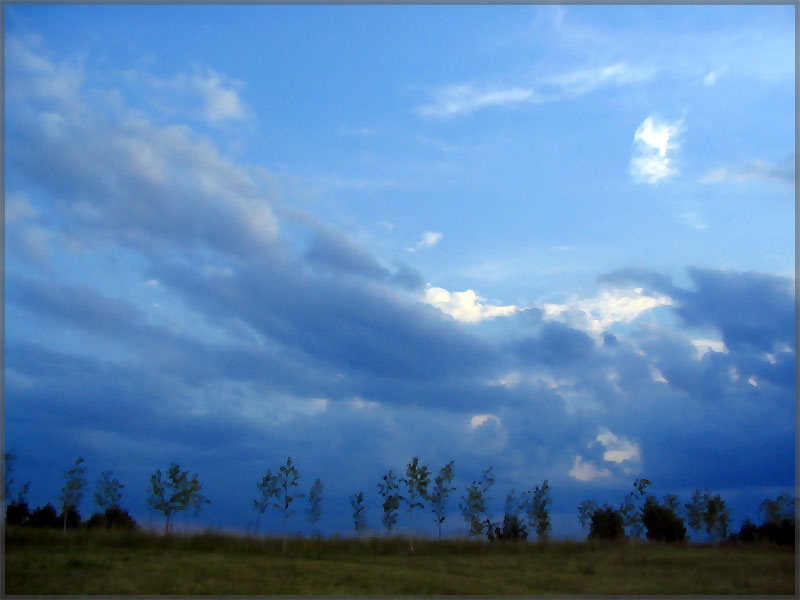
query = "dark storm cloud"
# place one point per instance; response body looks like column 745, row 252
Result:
column 339, row 322
column 555, row 344
column 334, row 251
column 753, row 311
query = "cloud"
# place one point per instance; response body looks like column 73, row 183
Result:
column 333, row 251
column 713, row 76
column 577, row 83
column 465, row 306
column 429, row 239
column 618, row 450
column 599, row 313
column 459, row 100
column 653, row 139
column 221, row 103
column 478, row 420
column 586, row 471
column 782, row 172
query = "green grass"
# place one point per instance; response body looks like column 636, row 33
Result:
column 92, row 562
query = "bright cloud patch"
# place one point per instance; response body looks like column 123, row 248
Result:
column 458, row 100
column 704, row 346
column 586, row 471
column 429, row 238
column 596, row 314
column 653, row 139
column 464, row 306
column 478, row 420
column 617, row 449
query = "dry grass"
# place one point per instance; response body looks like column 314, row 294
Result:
column 44, row 562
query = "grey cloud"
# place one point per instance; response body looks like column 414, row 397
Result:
column 333, row 251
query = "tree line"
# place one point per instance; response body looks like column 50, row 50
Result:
column 639, row 513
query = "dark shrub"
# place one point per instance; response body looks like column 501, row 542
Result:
column 606, row 524
column 97, row 521
column 44, row 517
column 513, row 529
column 73, row 518
column 116, row 518
column 748, row 533
column 781, row 533
column 662, row 523
column 17, row 513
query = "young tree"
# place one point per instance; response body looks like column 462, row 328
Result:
column 474, row 506
column 287, row 479
column 314, row 510
column 631, row 509
column 416, row 481
column 17, row 510
column 585, row 511
column 72, row 491
column 357, row 502
column 268, row 488
column 175, row 493
column 441, row 490
column 709, row 511
column 535, row 504
column 9, row 481
column 661, row 522
column 391, row 500
column 107, row 494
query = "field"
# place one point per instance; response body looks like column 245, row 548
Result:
column 105, row 562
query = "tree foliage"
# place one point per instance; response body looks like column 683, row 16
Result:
column 314, row 509
column 606, row 524
column 107, row 493
column 708, row 512
column 417, row 480
column 174, row 493
column 391, row 500
column 661, row 522
column 357, row 502
column 474, row 506
column 535, row 503
column 71, row 493
column 267, row 488
column 440, row 493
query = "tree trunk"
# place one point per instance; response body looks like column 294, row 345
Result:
column 65, row 521
column 440, row 530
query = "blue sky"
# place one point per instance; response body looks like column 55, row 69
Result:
column 554, row 240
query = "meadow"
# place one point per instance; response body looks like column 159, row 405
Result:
column 107, row 562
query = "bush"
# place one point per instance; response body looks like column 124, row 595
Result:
column 17, row 513
column 112, row 518
column 781, row 533
column 513, row 529
column 748, row 533
column 44, row 517
column 73, row 518
column 662, row 523
column 607, row 524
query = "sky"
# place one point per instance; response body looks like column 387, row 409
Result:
column 554, row 240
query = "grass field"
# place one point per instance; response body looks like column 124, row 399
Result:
column 92, row 562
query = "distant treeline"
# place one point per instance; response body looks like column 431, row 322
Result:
column 525, row 514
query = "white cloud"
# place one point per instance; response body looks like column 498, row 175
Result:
column 753, row 169
column 464, row 306
column 653, row 139
column 753, row 381
column 429, row 239
column 598, row 313
column 456, row 100
column 657, row 375
column 618, row 449
column 478, row 420
column 152, row 283
column 586, row 471
column 586, row 80
column 704, row 346
column 463, row 99
column 712, row 77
